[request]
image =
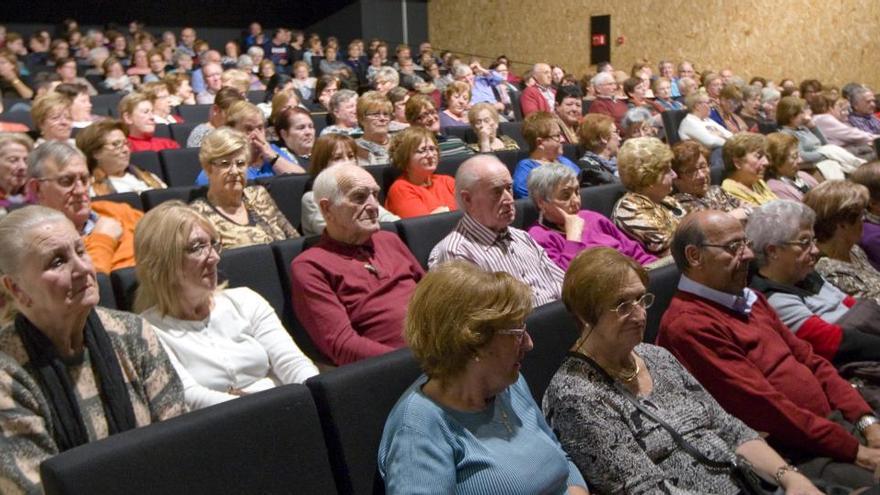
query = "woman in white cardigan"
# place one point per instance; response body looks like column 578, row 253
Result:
column 224, row 343
column 698, row 126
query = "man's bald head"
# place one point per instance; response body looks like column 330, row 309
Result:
column 484, row 191
column 709, row 247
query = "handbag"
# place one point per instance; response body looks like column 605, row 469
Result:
column 740, row 470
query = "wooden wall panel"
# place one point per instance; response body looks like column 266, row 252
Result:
column 834, row 41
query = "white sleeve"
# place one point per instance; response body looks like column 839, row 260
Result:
column 195, row 395
column 693, row 128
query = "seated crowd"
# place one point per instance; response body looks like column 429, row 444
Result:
column 777, row 303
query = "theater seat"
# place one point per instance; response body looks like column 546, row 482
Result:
column 287, row 191
column 514, row 130
column 266, row 443
column 570, row 151
column 601, row 198
column 526, row 213
column 124, row 281
column 449, row 164
column 154, row 197
column 716, row 175
column 181, row 166
column 256, row 96
column 19, row 117
column 671, row 120
column 553, row 331
column 515, row 103
column 105, row 104
column 353, row 402
column 181, row 132
column 162, row 131
column 194, row 113
column 662, row 282
column 511, row 158
column 421, row 234
column 106, row 298
column 459, row 131
column 130, row 198
column 253, row 267
column 149, row 161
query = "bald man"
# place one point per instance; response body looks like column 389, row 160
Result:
column 541, row 97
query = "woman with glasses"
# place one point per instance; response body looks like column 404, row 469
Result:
column 814, row 309
column 242, row 215
column 470, row 424
column 840, row 214
column 418, row 191
column 109, row 160
column 224, row 343
column 544, row 137
column 782, row 173
column 647, row 212
column 374, row 114
column 591, row 400
column 699, row 126
column 692, row 186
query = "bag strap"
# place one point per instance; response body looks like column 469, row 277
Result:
column 676, row 436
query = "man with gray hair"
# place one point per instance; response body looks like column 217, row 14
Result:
column 541, row 97
column 863, row 104
column 606, row 101
column 59, row 179
column 351, row 289
column 483, row 236
column 481, row 81
column 201, row 79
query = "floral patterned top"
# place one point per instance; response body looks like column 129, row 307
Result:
column 714, row 199
column 619, row 450
column 265, row 224
column 857, row 278
column 650, row 223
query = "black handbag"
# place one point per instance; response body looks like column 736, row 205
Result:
column 740, row 470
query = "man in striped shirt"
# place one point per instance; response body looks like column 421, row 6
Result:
column 483, row 236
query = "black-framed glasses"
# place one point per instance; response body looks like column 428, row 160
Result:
column 68, row 181
column 203, row 249
column 626, row 308
column 805, row 243
column 733, row 247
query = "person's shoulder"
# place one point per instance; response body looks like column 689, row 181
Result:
column 415, row 410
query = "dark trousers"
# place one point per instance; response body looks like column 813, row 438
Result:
column 834, row 477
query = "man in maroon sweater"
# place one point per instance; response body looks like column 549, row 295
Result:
column 606, row 102
column 733, row 342
column 350, row 291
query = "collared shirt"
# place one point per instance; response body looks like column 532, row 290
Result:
column 741, row 304
column 482, row 89
column 867, row 123
column 90, row 223
column 548, row 95
column 512, row 251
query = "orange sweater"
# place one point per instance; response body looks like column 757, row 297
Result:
column 406, row 199
column 107, row 253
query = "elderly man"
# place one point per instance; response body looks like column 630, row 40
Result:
column 667, row 69
column 59, row 179
column 606, row 101
column 213, row 73
column 351, row 289
column 540, row 97
column 863, row 105
column 483, row 236
column 733, row 342
column 481, row 82
column 187, row 41
column 199, row 82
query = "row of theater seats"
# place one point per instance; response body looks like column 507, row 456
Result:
column 321, row 437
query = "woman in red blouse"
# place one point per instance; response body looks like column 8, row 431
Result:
column 418, row 191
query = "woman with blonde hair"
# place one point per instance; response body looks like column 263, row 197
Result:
column 418, row 190
column 242, row 215
column 223, row 343
column 52, row 117
column 374, row 113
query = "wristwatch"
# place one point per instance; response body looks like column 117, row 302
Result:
column 274, row 159
column 866, row 421
column 781, row 472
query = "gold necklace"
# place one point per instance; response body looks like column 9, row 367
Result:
column 623, row 374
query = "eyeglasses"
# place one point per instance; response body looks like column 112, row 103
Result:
column 425, row 115
column 240, row 164
column 626, row 308
column 733, row 247
column 203, row 249
column 518, row 333
column 805, row 243
column 116, row 145
column 68, row 181
column 426, row 150
column 694, row 172
column 378, row 115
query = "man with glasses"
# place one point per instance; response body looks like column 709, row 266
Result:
column 734, row 343
column 59, row 178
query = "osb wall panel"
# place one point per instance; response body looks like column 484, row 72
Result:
column 835, row 41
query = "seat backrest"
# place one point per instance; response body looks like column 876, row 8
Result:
column 320, row 121
column 380, row 174
column 124, row 281
column 459, row 131
column 449, row 164
column 18, row 117
column 267, row 443
column 662, row 282
column 181, row 132
column 671, row 120
column 421, row 234
column 513, row 130
column 153, row 197
column 570, row 151
column 716, row 175
column 105, row 104
column 256, row 96
column 877, row 146
column 601, row 198
column 526, row 213
column 254, row 267
column 194, row 113
column 515, row 97
column 287, row 191
column 106, row 298
column 353, row 402
column 131, row 198
column 767, row 127
column 162, row 131
column 553, row 331
column 181, row 166
column 149, row 161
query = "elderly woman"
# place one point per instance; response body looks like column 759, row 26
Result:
column 541, row 132
column 418, row 191
column 563, row 228
column 51, row 115
column 782, row 174
column 600, row 140
column 386, row 79
column 637, row 122
column 330, row 65
column 693, row 190
column 14, row 150
column 647, row 212
column 109, row 160
column 398, row 97
column 223, row 100
column 303, row 81
column 636, row 90
column 180, row 90
column 224, row 343
column 785, row 255
column 662, row 88
column 831, row 116
column 769, row 101
column 729, row 101
column 605, row 399
column 136, row 112
column 57, row 395
column 115, row 79
column 457, row 97
column 713, row 83
column 484, row 119
column 343, row 109
column 329, row 150
column 374, row 113
column 750, row 106
column 569, row 112
column 80, row 104
column 158, row 94
column 325, row 88
column 867, row 175
column 698, row 126
column 840, row 212
column 296, row 133
column 470, row 424
column 745, row 158
column 242, row 215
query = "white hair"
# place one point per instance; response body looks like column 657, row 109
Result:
column 601, row 78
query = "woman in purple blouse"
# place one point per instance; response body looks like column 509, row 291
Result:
column 563, row 229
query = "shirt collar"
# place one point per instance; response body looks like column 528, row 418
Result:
column 349, row 250
column 90, row 223
column 741, row 304
column 482, row 234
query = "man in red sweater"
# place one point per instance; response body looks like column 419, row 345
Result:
column 606, row 102
column 733, row 342
column 541, row 97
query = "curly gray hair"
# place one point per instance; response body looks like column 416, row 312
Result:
column 775, row 223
